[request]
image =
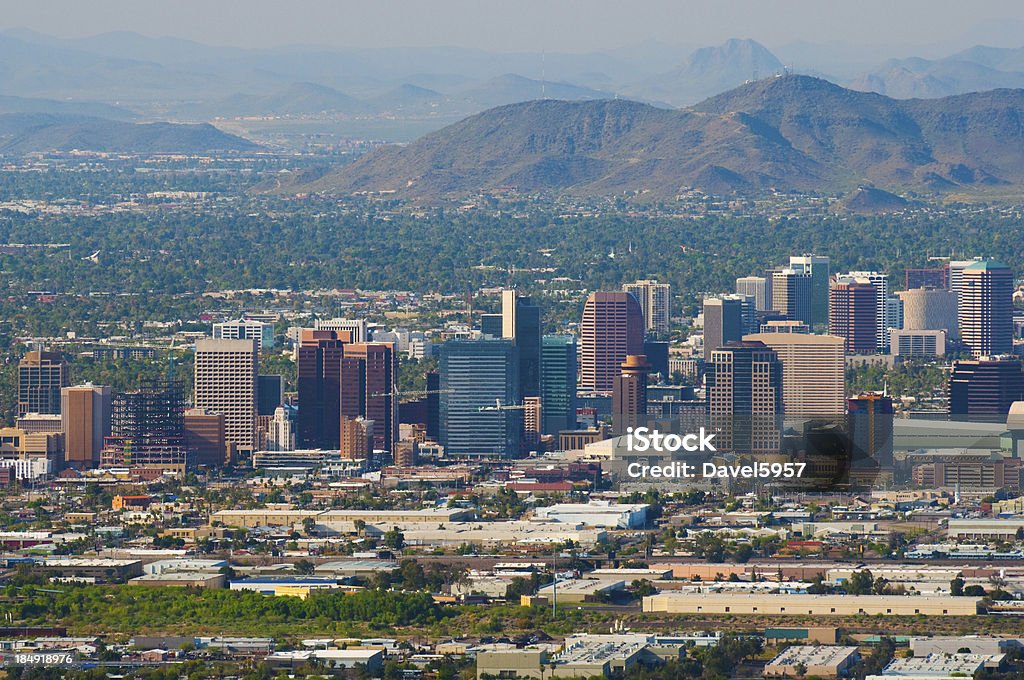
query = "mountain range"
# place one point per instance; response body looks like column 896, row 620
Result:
column 789, row 133
column 192, row 82
column 22, row 133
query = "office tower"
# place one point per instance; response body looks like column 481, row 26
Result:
column 520, row 323
column 356, row 330
column 492, row 325
column 204, row 437
column 357, row 435
column 479, row 379
column 246, row 329
column 929, row 309
column 269, row 394
column 85, row 421
column 893, row 315
column 319, row 388
column 41, row 375
column 813, row 372
column 225, row 382
column 745, row 397
column 723, row 322
column 853, row 314
column 956, row 270
column 917, row 344
column 791, row 294
column 870, row 425
column 985, row 388
column 927, row 278
column 558, row 383
column 369, row 371
column 533, row 420
column 881, row 284
column 986, row 308
column 434, row 405
column 818, row 267
column 656, row 352
column 655, row 302
column 280, row 433
column 613, row 326
column 147, row 428
column 757, row 288
column 629, row 398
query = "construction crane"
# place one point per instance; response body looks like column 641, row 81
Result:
column 410, row 393
column 498, row 406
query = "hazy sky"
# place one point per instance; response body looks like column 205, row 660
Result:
column 530, row 25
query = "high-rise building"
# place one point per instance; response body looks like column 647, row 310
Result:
column 357, row 436
column 204, row 437
column 407, row 453
column 225, row 382
column 369, row 371
column 356, row 330
column 755, row 287
column 880, row 282
column 853, row 314
column 492, row 325
column 85, row 418
column 612, row 327
column 433, row 405
column 870, row 424
column 269, row 394
column 147, row 428
column 813, row 373
column 656, row 352
column 791, row 294
column 723, row 322
column 745, row 397
column 893, row 315
column 533, row 419
column 656, row 303
column 929, row 309
column 818, row 267
column 558, row 383
column 479, row 378
column 985, row 388
column 280, row 433
column 956, row 269
column 937, row 277
column 319, row 388
column 246, row 329
column 986, row 308
column 41, row 375
column 629, row 398
column 520, row 323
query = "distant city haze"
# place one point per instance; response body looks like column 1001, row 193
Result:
column 918, row 26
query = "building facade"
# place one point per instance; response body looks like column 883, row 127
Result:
column 612, row 327
column 225, row 382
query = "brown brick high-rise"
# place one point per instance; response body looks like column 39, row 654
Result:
column 612, row 328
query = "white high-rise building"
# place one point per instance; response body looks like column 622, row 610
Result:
column 358, row 327
column 225, row 382
column 881, row 283
column 656, row 302
column 246, row 329
column 280, row 434
column 757, row 288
